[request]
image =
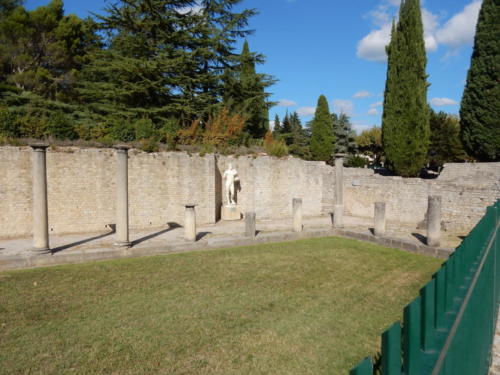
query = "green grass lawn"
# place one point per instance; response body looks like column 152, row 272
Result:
column 307, row 307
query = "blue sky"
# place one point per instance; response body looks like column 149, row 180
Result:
column 336, row 48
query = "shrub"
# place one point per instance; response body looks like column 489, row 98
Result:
column 275, row 147
column 355, row 161
column 60, row 126
column 144, row 129
column 148, row 145
column 9, row 127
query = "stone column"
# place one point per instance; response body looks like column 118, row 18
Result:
column 297, row 214
column 434, row 220
column 40, row 210
column 122, row 235
column 249, row 224
column 379, row 219
column 338, row 213
column 190, row 223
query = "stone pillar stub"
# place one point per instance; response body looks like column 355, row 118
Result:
column 379, row 219
column 122, row 230
column 40, row 207
column 434, row 220
column 250, row 224
column 338, row 213
column 297, row 214
column 190, row 222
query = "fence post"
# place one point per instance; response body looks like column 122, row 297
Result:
column 428, row 295
column 391, row 350
column 440, row 295
column 365, row 367
column 412, row 334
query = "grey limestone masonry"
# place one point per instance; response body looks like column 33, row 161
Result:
column 82, row 190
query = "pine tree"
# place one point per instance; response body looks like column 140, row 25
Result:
column 277, row 125
column 254, row 104
column 322, row 137
column 299, row 138
column 480, row 107
column 405, row 121
column 345, row 136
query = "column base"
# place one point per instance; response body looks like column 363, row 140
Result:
column 122, row 244
column 40, row 249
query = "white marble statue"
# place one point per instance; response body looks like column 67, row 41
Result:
column 231, row 177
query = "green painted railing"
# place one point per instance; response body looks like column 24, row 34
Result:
column 449, row 328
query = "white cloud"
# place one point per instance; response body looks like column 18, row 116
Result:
column 359, row 127
column 372, row 46
column 286, row 103
column 373, row 111
column 343, row 106
column 362, row 94
column 439, row 102
column 306, row 111
column 271, row 124
column 457, row 31
column 376, row 104
column 461, row 28
column 431, row 23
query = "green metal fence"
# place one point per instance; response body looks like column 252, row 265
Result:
column 449, row 328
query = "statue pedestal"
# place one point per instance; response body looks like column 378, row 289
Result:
column 230, row 212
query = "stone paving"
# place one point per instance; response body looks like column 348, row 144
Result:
column 75, row 248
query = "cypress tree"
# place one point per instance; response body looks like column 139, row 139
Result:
column 255, row 106
column 322, row 138
column 405, row 121
column 480, row 107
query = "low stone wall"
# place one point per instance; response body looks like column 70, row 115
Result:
column 81, row 189
column 466, row 190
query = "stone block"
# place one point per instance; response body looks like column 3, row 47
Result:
column 230, row 212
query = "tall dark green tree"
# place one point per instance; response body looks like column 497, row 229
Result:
column 277, row 125
column 298, row 139
column 405, row 120
column 162, row 61
column 445, row 145
column 480, row 107
column 322, row 137
column 345, row 136
column 252, row 102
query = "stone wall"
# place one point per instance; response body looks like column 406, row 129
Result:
column 81, row 189
column 268, row 185
column 466, row 190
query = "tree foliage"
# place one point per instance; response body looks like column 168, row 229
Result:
column 369, row 142
column 141, row 70
column 405, row 120
column 445, row 146
column 480, row 107
column 245, row 92
column 344, row 134
column 322, row 137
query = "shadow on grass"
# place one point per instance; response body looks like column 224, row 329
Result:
column 81, row 242
column 171, row 226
